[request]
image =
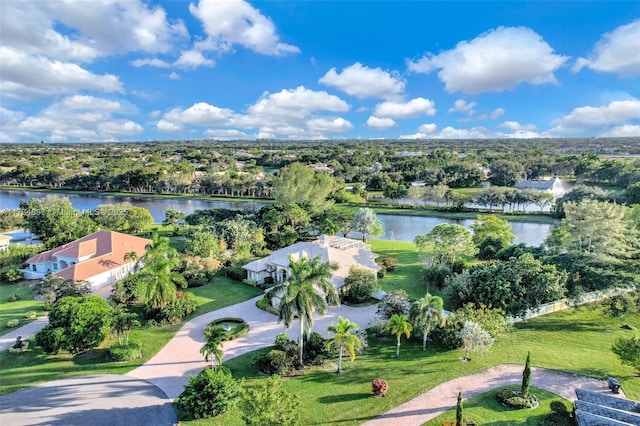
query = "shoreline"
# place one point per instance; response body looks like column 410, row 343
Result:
column 379, row 209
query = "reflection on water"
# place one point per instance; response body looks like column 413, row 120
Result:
column 401, row 228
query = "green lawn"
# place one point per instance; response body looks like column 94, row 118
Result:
column 408, row 273
column 577, row 341
column 18, row 309
column 34, row 366
column 484, row 409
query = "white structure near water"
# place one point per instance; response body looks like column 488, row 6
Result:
column 554, row 186
column 341, row 252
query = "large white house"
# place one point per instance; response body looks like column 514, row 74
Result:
column 341, row 252
column 97, row 258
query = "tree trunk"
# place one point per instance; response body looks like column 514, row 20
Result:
column 340, row 361
column 398, row 348
column 424, row 340
column 301, row 342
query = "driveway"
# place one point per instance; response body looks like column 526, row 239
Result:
column 101, row 400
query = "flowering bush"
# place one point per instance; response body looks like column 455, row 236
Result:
column 379, row 387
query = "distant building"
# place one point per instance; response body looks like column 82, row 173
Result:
column 322, row 167
column 341, row 252
column 97, row 258
column 555, row 186
column 5, row 240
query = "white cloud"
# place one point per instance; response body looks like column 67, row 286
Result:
column 616, row 52
column 174, row 76
column 380, row 123
column 428, row 128
column 329, row 125
column 76, row 118
column 37, row 76
column 497, row 113
column 428, row 131
column 192, row 59
column 515, row 126
column 462, row 106
column 626, row 130
column 152, row 62
column 200, row 113
column 495, row 61
column 168, row 126
column 413, row 108
column 236, row 22
column 599, row 120
column 227, row 134
column 364, row 82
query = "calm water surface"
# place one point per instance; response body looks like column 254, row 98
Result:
column 400, row 228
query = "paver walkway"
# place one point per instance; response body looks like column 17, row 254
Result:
column 444, row 396
column 169, row 368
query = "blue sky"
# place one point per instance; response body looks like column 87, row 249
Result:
column 133, row 70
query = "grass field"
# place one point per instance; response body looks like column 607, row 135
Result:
column 483, row 409
column 18, row 309
column 577, row 341
column 34, row 366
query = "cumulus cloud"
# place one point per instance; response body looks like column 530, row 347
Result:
column 497, row 113
column 227, row 134
column 26, row 75
column 626, row 130
column 428, row 131
column 329, row 125
column 515, row 126
column 200, row 113
column 380, row 123
column 364, row 82
column 413, row 108
column 616, row 52
column 152, row 62
column 192, row 59
column 236, row 22
column 462, row 106
column 76, row 118
column 589, row 120
column 428, row 128
column 495, row 61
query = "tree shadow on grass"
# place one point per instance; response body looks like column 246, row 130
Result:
column 561, row 325
column 346, row 397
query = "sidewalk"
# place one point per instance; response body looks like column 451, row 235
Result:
column 26, row 331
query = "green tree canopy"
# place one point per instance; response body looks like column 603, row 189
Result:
column 446, row 243
column 505, row 172
column 492, row 226
column 366, row 222
column 299, row 184
column 269, row 404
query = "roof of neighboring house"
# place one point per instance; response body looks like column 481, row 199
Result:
column 343, row 252
column 542, row 185
column 4, row 237
column 106, row 248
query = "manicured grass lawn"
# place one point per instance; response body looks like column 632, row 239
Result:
column 484, row 409
column 408, row 274
column 18, row 309
column 34, row 366
column 577, row 341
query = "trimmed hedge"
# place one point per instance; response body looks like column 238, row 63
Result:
column 514, row 399
column 126, row 352
column 265, row 305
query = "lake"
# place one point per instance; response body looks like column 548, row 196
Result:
column 398, row 227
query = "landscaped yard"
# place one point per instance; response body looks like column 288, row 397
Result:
column 484, row 409
column 35, row 366
column 577, row 341
column 17, row 310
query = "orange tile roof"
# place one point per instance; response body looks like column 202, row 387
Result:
column 107, row 250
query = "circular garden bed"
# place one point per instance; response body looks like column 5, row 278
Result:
column 232, row 328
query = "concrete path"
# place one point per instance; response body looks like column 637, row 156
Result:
column 444, row 396
column 169, row 368
column 26, row 331
column 101, row 400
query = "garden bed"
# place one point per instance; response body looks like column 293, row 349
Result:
column 233, row 327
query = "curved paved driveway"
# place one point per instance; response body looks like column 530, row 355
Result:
column 101, row 400
column 169, row 368
column 444, row 396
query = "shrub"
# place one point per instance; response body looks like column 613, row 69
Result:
column 315, row 349
column 436, row 276
column 210, row 393
column 628, row 350
column 619, row 304
column 126, row 290
column 269, row 404
column 13, row 323
column 359, row 285
column 378, row 327
column 30, row 315
column 14, row 298
column 235, row 271
column 274, row 362
column 184, row 304
column 227, row 335
column 394, row 303
column 126, row 351
column 515, row 399
column 265, row 305
column 379, row 387
column 491, row 320
column 250, row 283
column 389, row 263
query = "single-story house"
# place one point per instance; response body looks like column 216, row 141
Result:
column 5, row 240
column 97, row 258
column 339, row 251
column 555, row 186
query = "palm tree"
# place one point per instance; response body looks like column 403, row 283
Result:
column 366, row 222
column 211, row 351
column 158, row 275
column 307, row 291
column 427, row 313
column 343, row 339
column 130, row 256
column 398, row 325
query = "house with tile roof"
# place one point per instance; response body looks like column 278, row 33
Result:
column 97, row 258
column 338, row 251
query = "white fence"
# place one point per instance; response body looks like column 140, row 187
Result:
column 563, row 304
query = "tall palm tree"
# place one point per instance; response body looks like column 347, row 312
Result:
column 130, row 256
column 398, row 325
column 308, row 291
column 343, row 339
column 158, row 275
column 427, row 313
column 211, row 351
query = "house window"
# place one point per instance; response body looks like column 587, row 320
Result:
column 33, row 268
column 55, row 266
